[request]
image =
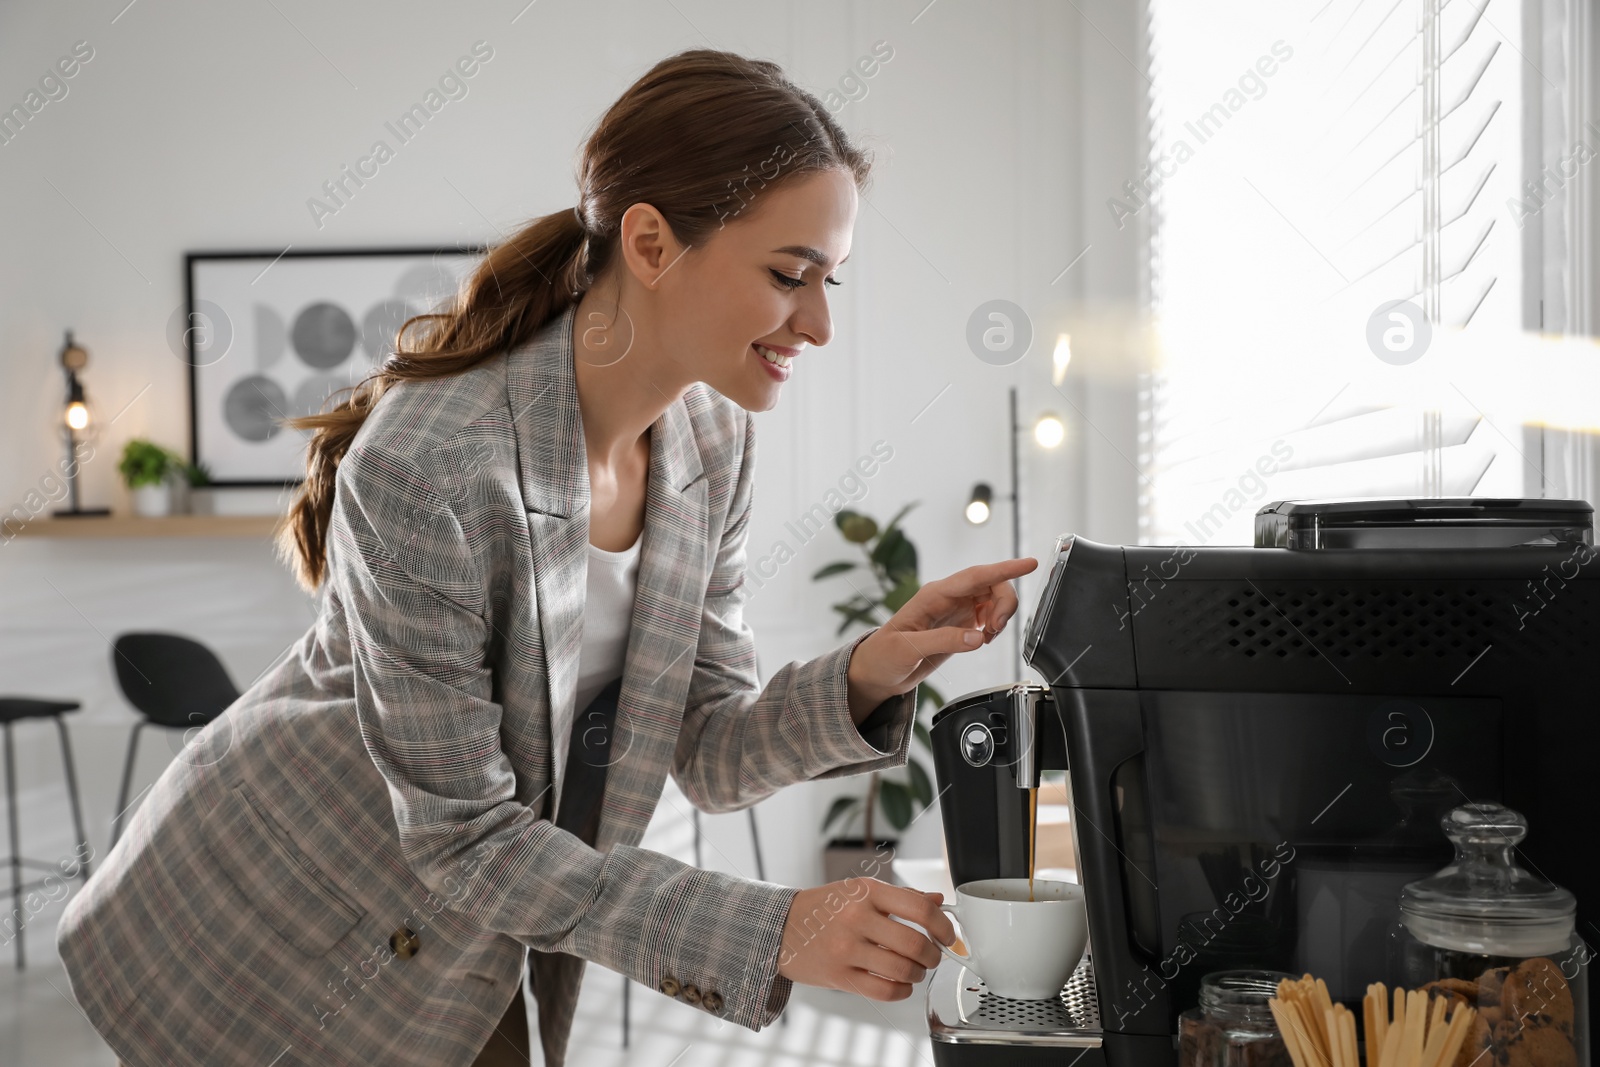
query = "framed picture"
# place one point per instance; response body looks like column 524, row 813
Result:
column 272, row 335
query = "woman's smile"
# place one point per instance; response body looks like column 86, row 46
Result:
column 776, row 364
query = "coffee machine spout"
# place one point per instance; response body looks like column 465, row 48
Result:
column 1024, row 730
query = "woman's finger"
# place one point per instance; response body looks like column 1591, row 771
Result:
column 898, row 937
column 914, row 906
column 914, row 646
column 982, row 579
column 889, row 964
column 868, row 985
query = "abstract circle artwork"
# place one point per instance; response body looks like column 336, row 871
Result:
column 305, row 328
column 253, row 406
column 323, row 335
column 381, row 324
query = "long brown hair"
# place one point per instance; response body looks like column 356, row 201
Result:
column 698, row 137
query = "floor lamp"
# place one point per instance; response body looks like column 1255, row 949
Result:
column 1048, row 431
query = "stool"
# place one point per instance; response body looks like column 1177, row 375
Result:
column 174, row 682
column 12, row 710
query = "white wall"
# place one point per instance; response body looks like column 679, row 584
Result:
column 1000, row 131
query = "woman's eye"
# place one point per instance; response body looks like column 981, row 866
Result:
column 795, row 283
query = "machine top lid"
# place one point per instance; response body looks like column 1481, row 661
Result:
column 1427, row 522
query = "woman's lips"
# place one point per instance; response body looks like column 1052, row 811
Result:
column 778, row 373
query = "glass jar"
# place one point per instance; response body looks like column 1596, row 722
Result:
column 1233, row 1027
column 1486, row 931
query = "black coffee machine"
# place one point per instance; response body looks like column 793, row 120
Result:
column 1259, row 743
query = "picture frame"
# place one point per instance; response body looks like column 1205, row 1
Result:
column 273, row 335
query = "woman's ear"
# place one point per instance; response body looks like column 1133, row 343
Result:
column 647, row 244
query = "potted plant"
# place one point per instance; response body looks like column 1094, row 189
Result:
column 889, row 570
column 147, row 469
column 197, row 489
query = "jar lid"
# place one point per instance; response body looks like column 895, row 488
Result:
column 1484, row 902
column 1241, row 996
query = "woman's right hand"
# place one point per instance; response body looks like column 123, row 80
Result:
column 841, row 936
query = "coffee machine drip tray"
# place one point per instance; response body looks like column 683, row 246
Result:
column 962, row 1011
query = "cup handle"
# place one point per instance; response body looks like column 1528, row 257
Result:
column 965, row 961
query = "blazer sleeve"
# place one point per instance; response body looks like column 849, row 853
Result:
column 740, row 743
column 415, row 601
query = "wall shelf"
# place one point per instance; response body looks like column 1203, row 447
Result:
column 93, row 526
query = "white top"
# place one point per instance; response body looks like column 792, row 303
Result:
column 607, row 615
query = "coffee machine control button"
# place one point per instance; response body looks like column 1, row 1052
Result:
column 977, row 744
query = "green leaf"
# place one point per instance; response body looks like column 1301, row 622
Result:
column 896, row 803
column 831, row 569
column 921, row 786
column 897, row 556
column 854, row 612
column 922, row 734
column 895, row 522
column 927, row 694
column 896, row 598
column 856, row 527
column 839, row 807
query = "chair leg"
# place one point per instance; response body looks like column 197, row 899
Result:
column 72, row 794
column 16, row 848
column 626, row 982
column 761, row 873
column 127, row 779
column 755, row 843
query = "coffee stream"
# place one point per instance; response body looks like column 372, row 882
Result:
column 1033, row 824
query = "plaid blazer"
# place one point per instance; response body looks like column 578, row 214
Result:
column 350, row 865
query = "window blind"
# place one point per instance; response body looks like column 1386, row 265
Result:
column 1369, row 173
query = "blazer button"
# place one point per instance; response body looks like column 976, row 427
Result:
column 711, row 1001
column 690, row 994
column 669, row 985
column 404, row 942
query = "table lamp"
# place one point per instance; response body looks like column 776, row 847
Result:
column 77, row 420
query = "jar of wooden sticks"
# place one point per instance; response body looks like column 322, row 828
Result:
column 1233, row 1027
column 1423, row 1030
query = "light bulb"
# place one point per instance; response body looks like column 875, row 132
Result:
column 77, row 415
column 1049, row 431
column 1060, row 358
column 978, row 503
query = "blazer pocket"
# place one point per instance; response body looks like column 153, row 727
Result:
column 284, row 885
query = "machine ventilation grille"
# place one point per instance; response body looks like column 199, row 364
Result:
column 1376, row 620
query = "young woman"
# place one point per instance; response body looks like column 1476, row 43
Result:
column 530, row 528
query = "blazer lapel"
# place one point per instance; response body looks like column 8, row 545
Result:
column 674, row 562
column 554, row 472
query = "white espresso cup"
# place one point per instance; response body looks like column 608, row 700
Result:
column 1022, row 949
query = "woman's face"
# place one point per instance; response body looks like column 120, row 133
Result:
column 761, row 279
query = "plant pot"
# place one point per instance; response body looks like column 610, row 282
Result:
column 152, row 501
column 202, row 500
column 851, row 857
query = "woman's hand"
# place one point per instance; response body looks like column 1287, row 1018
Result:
column 967, row 610
column 840, row 936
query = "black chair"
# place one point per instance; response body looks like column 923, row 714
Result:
column 175, row 682
column 12, row 710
